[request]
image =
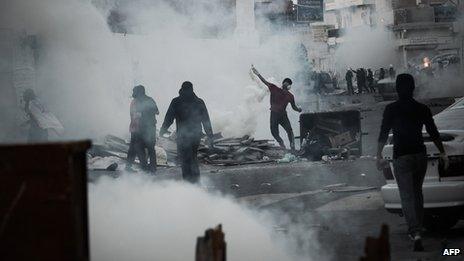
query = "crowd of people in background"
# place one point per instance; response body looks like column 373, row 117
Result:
column 365, row 79
column 358, row 81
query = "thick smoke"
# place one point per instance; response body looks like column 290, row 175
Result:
column 367, row 47
column 85, row 72
column 134, row 218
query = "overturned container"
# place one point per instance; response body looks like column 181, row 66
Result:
column 336, row 133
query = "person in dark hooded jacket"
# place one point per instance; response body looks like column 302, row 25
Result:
column 406, row 118
column 190, row 114
column 143, row 111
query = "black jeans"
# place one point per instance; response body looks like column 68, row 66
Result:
column 187, row 149
column 409, row 174
column 281, row 118
column 142, row 143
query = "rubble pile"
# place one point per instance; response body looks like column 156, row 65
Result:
column 114, row 150
column 239, row 151
column 225, row 151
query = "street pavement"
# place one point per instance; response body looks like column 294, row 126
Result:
column 336, row 205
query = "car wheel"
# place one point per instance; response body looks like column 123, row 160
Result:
column 437, row 223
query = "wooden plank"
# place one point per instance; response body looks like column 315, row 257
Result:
column 211, row 247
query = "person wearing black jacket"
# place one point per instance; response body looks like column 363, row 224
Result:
column 190, row 114
column 405, row 118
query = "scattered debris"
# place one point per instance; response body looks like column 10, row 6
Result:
column 330, row 136
column 344, row 188
column 328, row 187
column 287, row 158
column 112, row 153
column 235, row 186
column 239, row 151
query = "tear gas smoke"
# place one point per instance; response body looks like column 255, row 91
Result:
column 367, row 47
column 134, row 218
column 82, row 72
column 86, row 72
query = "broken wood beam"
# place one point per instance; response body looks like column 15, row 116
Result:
column 378, row 249
column 211, row 247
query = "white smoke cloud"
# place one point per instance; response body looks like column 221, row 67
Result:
column 134, row 218
column 82, row 70
column 367, row 47
column 86, row 72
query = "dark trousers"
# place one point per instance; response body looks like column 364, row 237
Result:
column 371, row 86
column 187, row 149
column 362, row 87
column 281, row 118
column 140, row 145
column 349, row 85
column 409, row 174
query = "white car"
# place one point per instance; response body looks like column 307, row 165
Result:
column 443, row 190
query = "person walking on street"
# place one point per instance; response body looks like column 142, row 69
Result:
column 280, row 98
column 391, row 71
column 349, row 82
column 143, row 111
column 381, row 73
column 370, row 80
column 405, row 118
column 190, row 114
column 364, row 80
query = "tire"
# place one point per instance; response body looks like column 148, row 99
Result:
column 436, row 223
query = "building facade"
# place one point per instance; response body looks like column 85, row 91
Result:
column 423, row 30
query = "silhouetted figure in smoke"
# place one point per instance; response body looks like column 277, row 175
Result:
column 381, row 74
column 406, row 117
column 42, row 123
column 280, row 98
column 370, row 80
column 364, row 80
column 361, row 80
column 143, row 111
column 391, row 71
column 190, row 114
column 349, row 81
column 318, row 82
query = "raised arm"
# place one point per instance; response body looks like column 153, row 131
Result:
column 253, row 69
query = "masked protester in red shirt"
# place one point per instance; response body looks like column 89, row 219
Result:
column 280, row 98
column 143, row 111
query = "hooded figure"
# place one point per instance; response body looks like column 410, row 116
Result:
column 143, row 111
column 191, row 115
column 406, row 118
